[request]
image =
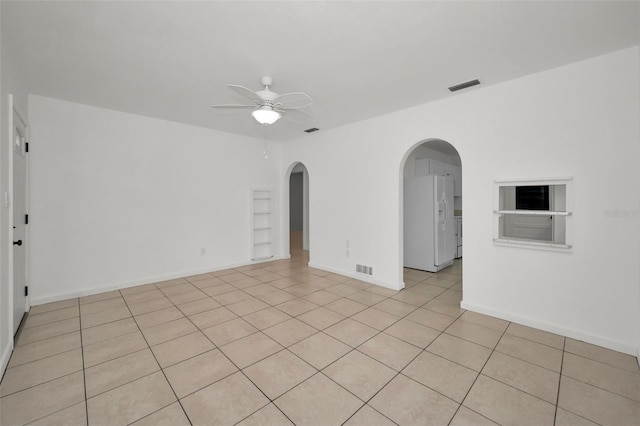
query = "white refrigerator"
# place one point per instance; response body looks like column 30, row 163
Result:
column 429, row 227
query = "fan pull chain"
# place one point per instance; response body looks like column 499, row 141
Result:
column 264, row 150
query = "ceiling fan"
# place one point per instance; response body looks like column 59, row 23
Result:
column 268, row 106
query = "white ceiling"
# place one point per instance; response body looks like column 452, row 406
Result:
column 357, row 60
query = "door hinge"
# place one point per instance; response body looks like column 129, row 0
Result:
column 26, row 219
column 26, row 147
column 26, row 290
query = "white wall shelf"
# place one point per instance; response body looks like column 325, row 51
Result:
column 533, row 212
column 261, row 234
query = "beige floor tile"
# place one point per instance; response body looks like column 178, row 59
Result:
column 390, row 351
column 597, row 405
column 42, row 400
column 535, row 335
column 180, row 288
column 268, row 415
column 103, row 317
column 197, row 306
column 198, row 372
column 44, row 348
column 375, row 318
column 535, row 353
column 366, row 297
column 407, row 402
column 367, row 416
column 604, row 355
column 267, row 277
column 567, row 418
column 508, row 406
column 229, row 331
column 321, row 297
column 351, row 332
column 208, row 283
column 233, row 277
column 172, row 415
column 412, row 332
column 106, row 350
column 450, row 309
column 219, row 289
column 342, row 290
column 168, row 331
column 603, row 376
column 359, row 374
column 395, row 307
column 466, row 417
column 137, row 289
column 74, row 415
column 446, row 377
column 451, row 296
column 145, row 307
column 213, row 317
column 296, row 307
column 475, row 333
column 289, row 332
column 48, row 307
column 522, row 375
column 301, row 290
column 103, row 305
column 114, row 373
column 485, row 320
column 250, row 349
column 320, row 350
column 108, row 331
column 51, row 316
column 276, row 297
column 247, row 306
column 412, row 297
column 34, row 373
column 47, row 331
column 278, row 373
column 186, row 297
column 225, row 402
column 346, row 307
column 161, row 316
column 132, row 401
column 170, row 283
column 430, row 319
column 387, row 292
column 259, row 289
column 176, row 350
column 318, row 401
column 460, row 351
column 266, row 318
column 99, row 297
column 232, row 297
column 321, row 318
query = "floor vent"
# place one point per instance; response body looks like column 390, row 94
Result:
column 364, row 269
column 464, row 85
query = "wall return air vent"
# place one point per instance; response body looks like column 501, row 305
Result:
column 464, row 85
column 364, row 269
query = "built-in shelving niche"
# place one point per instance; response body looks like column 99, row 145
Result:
column 261, row 224
column 533, row 213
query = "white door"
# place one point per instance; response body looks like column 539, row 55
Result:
column 19, row 220
column 440, row 217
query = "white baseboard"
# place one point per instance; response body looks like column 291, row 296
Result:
column 361, row 277
column 554, row 328
column 6, row 355
column 126, row 284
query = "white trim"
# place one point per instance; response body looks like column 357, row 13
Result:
column 361, row 277
column 553, row 328
column 6, row 355
column 532, row 245
column 534, row 181
column 150, row 280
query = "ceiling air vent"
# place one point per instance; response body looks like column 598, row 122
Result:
column 311, row 130
column 464, row 85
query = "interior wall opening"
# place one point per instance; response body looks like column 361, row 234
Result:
column 299, row 212
column 431, row 221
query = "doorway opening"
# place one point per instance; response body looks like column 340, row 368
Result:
column 431, row 221
column 299, row 213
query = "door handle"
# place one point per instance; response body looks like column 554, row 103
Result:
column 17, row 243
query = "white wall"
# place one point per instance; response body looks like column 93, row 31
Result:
column 119, row 199
column 10, row 83
column 580, row 120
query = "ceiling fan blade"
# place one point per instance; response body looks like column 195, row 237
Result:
column 293, row 100
column 293, row 114
column 230, row 106
column 244, row 92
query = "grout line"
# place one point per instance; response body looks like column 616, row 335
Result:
column 84, row 374
column 555, row 412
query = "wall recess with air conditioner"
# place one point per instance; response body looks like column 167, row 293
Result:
column 534, row 213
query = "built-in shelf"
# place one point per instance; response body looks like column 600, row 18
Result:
column 261, row 224
column 532, row 244
column 533, row 212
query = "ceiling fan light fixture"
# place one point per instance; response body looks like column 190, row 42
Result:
column 266, row 115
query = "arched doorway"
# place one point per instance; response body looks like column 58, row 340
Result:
column 431, row 219
column 298, row 200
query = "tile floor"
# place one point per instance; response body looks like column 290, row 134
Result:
column 281, row 343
